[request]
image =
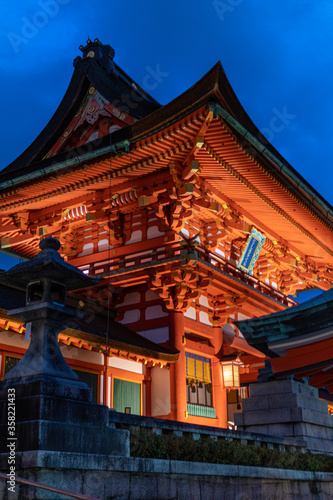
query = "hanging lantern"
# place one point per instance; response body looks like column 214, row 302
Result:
column 230, row 371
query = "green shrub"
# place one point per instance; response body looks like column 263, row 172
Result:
column 146, row 444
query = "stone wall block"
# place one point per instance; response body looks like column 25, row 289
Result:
column 239, row 420
column 129, row 479
column 94, row 482
column 294, row 410
column 117, row 486
column 282, row 387
column 312, row 416
column 166, row 488
column 316, row 431
column 255, row 404
column 267, row 417
column 142, row 488
column 293, row 400
column 188, row 490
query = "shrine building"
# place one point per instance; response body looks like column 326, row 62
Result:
column 190, row 219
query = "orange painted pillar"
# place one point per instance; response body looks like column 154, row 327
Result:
column 178, row 369
column 219, row 392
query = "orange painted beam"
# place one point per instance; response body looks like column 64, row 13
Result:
column 199, row 328
column 304, row 357
column 322, row 379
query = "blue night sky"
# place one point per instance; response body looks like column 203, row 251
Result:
column 277, row 56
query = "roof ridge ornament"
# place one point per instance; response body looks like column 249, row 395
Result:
column 104, row 54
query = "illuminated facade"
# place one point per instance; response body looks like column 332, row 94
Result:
column 190, row 218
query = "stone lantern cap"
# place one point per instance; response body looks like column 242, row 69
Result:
column 48, row 264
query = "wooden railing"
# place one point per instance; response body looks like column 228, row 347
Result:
column 173, row 253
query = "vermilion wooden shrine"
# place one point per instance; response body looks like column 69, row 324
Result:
column 162, row 202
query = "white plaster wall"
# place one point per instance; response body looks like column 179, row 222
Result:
column 204, row 319
column 72, row 352
column 241, row 317
column 153, row 232
column 131, row 316
column 190, row 313
column 203, row 301
column 103, row 245
column 154, row 312
column 219, row 252
column 161, row 255
column 14, row 339
column 101, row 389
column 88, row 248
column 126, row 364
column 136, row 236
column 160, row 392
column 139, row 254
column 93, row 136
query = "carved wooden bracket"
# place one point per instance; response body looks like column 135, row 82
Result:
column 179, row 288
column 223, row 306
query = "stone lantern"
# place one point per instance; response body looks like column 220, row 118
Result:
column 46, row 278
column 54, row 412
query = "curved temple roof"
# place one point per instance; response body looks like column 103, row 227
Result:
column 95, row 70
column 299, row 339
column 302, row 324
column 117, row 87
column 239, row 168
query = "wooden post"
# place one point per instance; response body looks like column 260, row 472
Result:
column 178, row 371
column 219, row 392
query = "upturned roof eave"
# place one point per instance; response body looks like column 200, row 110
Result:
column 281, row 168
column 214, row 88
column 148, row 352
column 313, row 315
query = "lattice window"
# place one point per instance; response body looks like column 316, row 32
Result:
column 199, row 380
column 10, row 362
